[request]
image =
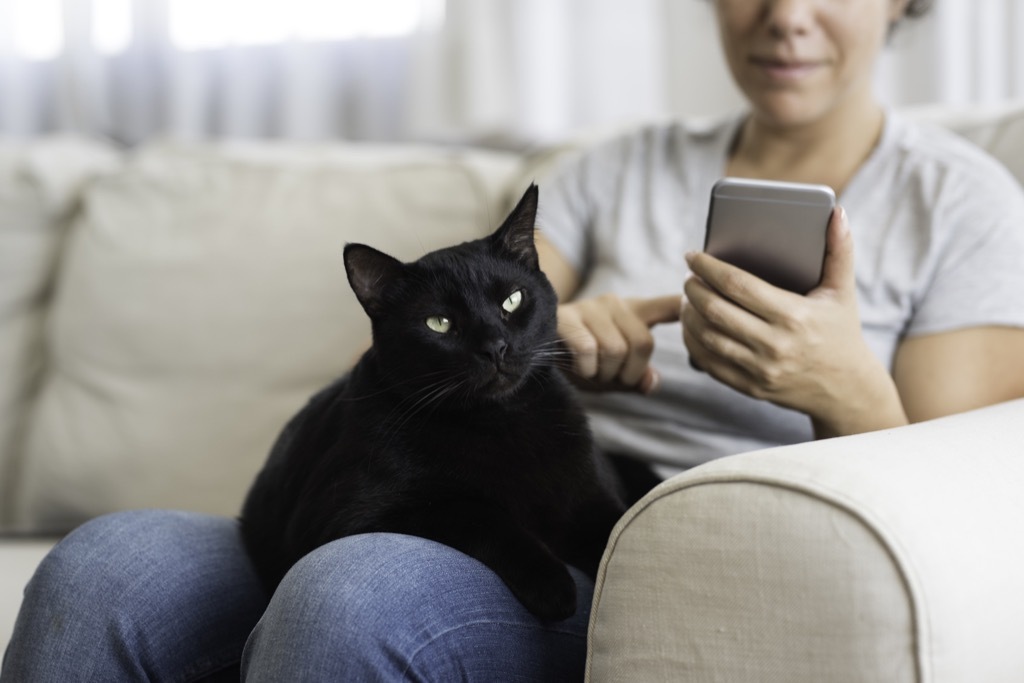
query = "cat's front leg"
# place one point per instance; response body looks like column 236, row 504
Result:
column 536, row 577
column 592, row 525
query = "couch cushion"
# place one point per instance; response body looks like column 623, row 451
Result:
column 39, row 184
column 203, row 299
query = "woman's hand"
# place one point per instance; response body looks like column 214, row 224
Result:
column 610, row 339
column 801, row 352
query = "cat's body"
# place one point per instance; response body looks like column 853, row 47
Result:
column 456, row 426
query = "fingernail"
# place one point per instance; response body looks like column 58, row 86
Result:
column 844, row 222
column 689, row 256
column 649, row 383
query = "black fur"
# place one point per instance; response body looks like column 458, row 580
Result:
column 471, row 438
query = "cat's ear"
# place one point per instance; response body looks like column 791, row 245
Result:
column 370, row 272
column 515, row 236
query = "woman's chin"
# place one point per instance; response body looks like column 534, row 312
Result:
column 787, row 111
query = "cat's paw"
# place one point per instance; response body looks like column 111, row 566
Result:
column 550, row 596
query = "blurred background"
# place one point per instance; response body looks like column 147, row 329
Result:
column 434, row 70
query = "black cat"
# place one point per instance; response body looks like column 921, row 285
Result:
column 456, row 426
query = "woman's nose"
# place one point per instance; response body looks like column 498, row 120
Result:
column 788, row 17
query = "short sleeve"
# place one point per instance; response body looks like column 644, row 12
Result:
column 978, row 273
column 580, row 190
column 565, row 215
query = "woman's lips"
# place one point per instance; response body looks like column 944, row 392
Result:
column 784, row 70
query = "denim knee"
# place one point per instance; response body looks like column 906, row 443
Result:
column 96, row 561
column 143, row 595
column 393, row 607
column 110, row 562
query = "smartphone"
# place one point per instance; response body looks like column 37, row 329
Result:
column 772, row 229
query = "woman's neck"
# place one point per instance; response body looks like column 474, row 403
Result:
column 828, row 150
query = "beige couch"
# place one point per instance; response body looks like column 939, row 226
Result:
column 163, row 313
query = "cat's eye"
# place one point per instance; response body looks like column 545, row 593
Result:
column 439, row 324
column 512, row 302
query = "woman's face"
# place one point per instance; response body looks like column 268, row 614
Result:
column 797, row 60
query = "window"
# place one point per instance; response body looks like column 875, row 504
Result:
column 36, row 26
column 206, row 24
column 112, row 25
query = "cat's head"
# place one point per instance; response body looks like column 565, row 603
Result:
column 469, row 321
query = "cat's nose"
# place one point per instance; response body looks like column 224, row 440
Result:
column 495, row 350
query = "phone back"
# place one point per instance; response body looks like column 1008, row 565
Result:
column 774, row 230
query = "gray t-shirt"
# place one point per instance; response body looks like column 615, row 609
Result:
column 938, row 232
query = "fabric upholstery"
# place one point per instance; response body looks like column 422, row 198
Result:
column 39, row 187
column 203, row 299
column 877, row 557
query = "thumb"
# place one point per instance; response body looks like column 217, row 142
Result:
column 838, row 272
column 659, row 309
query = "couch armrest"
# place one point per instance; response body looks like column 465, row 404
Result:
column 896, row 556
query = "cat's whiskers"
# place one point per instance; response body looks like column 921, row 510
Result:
column 428, row 396
column 392, row 380
column 417, row 395
column 388, row 385
column 582, row 334
column 553, row 354
column 446, row 376
column 562, row 361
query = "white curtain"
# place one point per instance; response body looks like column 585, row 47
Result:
column 538, row 68
column 499, row 70
column 966, row 52
column 354, row 88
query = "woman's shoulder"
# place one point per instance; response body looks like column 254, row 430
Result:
column 675, row 135
column 928, row 150
column 676, row 148
column 665, row 138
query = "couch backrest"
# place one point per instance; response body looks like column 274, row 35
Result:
column 201, row 299
column 40, row 183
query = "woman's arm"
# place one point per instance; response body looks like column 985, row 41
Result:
column 950, row 372
column 563, row 276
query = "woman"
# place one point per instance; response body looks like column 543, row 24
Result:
column 171, row 596
column 925, row 325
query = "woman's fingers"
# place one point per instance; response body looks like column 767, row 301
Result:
column 578, row 337
column 708, row 343
column 611, row 338
column 659, row 309
column 615, row 334
column 702, row 358
column 747, row 291
column 707, row 315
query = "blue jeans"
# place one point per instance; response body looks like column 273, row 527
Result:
column 171, row 596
